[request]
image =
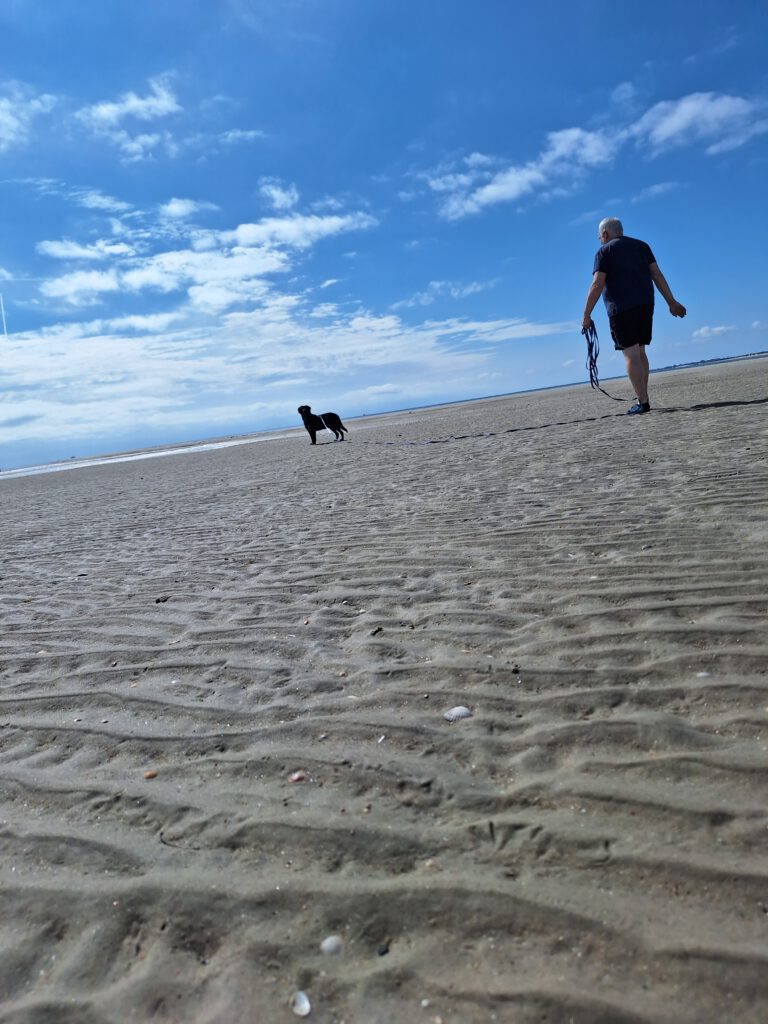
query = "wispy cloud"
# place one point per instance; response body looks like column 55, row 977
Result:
column 67, row 250
column 210, row 270
column 106, row 120
column 82, row 287
column 19, row 107
column 94, row 199
column 87, row 197
column 726, row 42
column 713, row 332
column 567, row 154
column 654, row 191
column 279, row 196
column 437, row 289
column 298, row 231
column 624, row 95
column 158, row 102
column 235, row 135
column 721, row 122
column 179, row 209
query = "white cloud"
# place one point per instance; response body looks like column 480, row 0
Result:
column 577, row 147
column 329, row 282
column 586, row 217
column 567, row 153
column 136, row 148
column 278, row 196
column 139, row 322
column 377, row 390
column 726, row 40
column 451, row 182
column 722, row 122
column 713, row 332
column 159, row 102
column 327, row 204
column 478, row 160
column 214, row 274
column 82, row 287
column 324, row 311
column 178, row 209
column 93, row 199
column 297, row 231
column 235, row 135
column 67, row 250
column 504, row 330
column 725, row 122
column 214, row 279
column 18, row 109
column 623, row 94
column 653, row 191
column 506, row 186
column 436, row 289
column 106, row 121
column 214, row 271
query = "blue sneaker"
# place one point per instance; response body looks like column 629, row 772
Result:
column 639, row 408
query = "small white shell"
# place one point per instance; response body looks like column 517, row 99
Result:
column 332, row 945
column 457, row 713
column 300, row 1004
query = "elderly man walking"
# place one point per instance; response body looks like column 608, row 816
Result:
column 625, row 272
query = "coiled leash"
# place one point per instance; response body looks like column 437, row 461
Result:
column 593, row 351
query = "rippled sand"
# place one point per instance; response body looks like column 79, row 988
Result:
column 588, row 847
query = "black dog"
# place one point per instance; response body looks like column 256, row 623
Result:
column 328, row 421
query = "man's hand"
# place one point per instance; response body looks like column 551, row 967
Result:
column 586, row 321
column 677, row 309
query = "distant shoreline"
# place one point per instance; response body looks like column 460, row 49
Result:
column 230, row 440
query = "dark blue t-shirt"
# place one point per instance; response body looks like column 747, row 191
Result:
column 626, row 264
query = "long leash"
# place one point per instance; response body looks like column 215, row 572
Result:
column 593, row 351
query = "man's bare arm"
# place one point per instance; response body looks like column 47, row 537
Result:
column 675, row 308
column 594, row 293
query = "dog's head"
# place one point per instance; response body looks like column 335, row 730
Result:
column 304, row 410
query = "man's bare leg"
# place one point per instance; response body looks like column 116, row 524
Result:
column 638, row 370
column 646, row 366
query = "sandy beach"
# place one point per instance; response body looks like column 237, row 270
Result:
column 222, row 734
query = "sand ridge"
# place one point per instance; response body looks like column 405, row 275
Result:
column 590, row 846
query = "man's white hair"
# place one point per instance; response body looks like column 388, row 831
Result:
column 611, row 225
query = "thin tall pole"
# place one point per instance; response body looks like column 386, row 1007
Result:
column 2, row 310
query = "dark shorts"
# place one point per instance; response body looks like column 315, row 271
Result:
column 631, row 327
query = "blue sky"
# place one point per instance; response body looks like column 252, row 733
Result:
column 214, row 211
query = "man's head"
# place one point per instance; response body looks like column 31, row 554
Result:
column 610, row 227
